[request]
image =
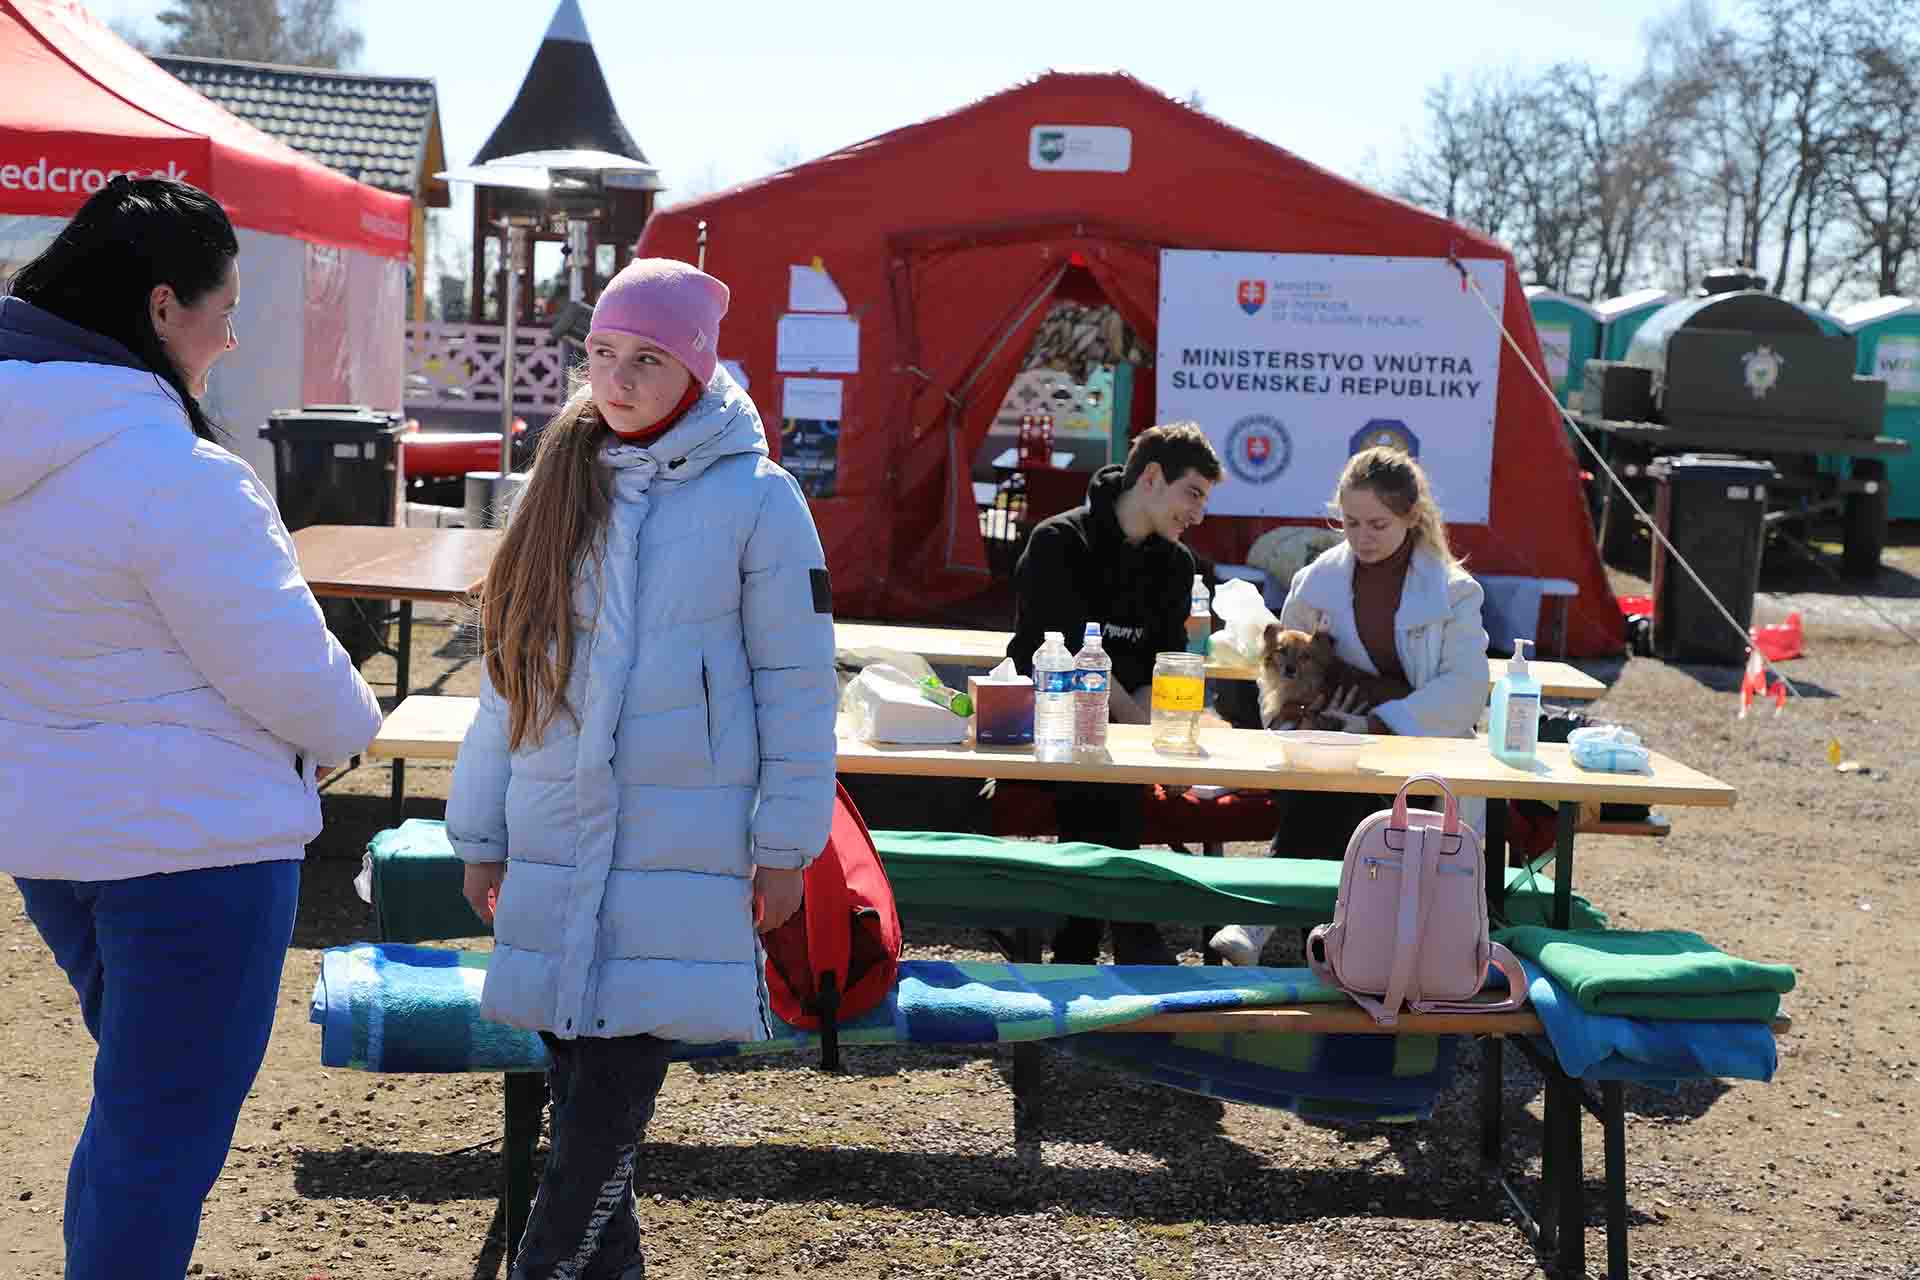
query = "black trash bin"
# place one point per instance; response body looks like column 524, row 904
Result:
column 340, row 464
column 336, row 464
column 1713, row 510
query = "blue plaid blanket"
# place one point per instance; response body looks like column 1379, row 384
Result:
column 393, row 1007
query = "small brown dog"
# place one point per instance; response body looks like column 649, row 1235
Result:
column 1298, row 674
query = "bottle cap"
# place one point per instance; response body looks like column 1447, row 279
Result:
column 1052, row 637
column 1092, row 632
column 1517, row 665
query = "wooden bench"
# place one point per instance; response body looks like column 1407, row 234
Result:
column 1561, row 1183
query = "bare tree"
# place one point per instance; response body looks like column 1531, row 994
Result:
column 308, row 33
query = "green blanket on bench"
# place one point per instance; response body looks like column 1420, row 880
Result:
column 979, row 881
column 986, row 881
column 1666, row 974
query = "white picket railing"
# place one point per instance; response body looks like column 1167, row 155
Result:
column 457, row 366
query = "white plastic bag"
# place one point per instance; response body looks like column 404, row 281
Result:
column 1239, row 606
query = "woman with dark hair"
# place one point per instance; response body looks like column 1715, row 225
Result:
column 169, row 693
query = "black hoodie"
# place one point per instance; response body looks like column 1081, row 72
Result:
column 1079, row 567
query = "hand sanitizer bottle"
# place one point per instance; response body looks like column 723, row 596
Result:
column 1513, row 720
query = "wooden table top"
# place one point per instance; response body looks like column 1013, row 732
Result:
column 377, row 562
column 987, row 648
column 431, row 728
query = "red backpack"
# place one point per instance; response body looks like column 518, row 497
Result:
column 839, row 954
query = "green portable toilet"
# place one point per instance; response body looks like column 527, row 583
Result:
column 1887, row 331
column 1569, row 336
column 1830, row 324
column 1621, row 318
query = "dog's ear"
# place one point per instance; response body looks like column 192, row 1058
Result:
column 1323, row 646
column 1270, row 637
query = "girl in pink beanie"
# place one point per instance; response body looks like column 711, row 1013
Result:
column 651, row 768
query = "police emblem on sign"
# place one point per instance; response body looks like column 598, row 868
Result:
column 1253, row 296
column 1259, row 449
column 1761, row 370
column 1389, row 433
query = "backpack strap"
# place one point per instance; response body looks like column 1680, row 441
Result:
column 1503, row 960
column 1406, row 934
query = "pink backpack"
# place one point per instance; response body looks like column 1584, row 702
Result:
column 1410, row 924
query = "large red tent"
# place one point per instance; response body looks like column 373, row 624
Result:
column 948, row 245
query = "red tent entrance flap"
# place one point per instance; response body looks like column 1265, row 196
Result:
column 976, row 305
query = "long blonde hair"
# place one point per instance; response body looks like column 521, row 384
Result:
column 1401, row 485
column 526, row 602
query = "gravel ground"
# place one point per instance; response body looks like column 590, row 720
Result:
column 906, row 1165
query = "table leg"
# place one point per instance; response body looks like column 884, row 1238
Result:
column 1568, row 1189
column 526, row 1096
column 1613, row 1126
column 1028, row 1110
column 1563, row 864
column 1496, row 858
column 402, row 675
column 1492, row 1120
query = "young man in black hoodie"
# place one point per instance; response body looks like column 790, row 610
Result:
column 1117, row 561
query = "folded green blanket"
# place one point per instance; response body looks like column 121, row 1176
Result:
column 980, row 880
column 1669, row 974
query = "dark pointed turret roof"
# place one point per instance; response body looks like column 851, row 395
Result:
column 563, row 104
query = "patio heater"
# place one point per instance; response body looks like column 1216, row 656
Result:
column 575, row 184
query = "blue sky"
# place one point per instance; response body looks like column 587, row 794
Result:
column 717, row 93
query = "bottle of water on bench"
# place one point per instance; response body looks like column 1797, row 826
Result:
column 1053, row 680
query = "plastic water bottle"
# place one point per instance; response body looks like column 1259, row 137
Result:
column 1053, row 697
column 1093, row 679
column 1199, row 618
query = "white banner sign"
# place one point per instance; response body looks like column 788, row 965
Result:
column 1292, row 363
column 1897, row 359
column 1080, row 148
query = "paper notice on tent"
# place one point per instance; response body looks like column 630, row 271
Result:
column 816, row 398
column 1897, row 359
column 1292, row 363
column 818, row 344
column 812, row 289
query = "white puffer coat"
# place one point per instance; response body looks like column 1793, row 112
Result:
column 168, row 684
column 704, row 746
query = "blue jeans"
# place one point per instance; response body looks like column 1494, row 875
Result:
column 178, row 977
column 582, row 1226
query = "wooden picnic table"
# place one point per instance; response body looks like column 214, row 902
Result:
column 434, row 727
column 378, row 562
column 964, row 648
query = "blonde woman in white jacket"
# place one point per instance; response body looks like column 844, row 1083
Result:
column 168, row 693
column 1397, row 602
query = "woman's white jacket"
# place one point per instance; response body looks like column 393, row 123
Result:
column 168, row 685
column 700, row 745
column 1437, row 634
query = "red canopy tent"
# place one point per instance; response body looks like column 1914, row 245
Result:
column 948, row 245
column 82, row 105
column 322, row 257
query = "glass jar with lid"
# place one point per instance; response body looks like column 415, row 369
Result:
column 1179, row 696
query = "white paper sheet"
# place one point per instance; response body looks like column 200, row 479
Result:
column 812, row 289
column 818, row 344
column 811, row 399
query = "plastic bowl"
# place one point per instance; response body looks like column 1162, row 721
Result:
column 1322, row 748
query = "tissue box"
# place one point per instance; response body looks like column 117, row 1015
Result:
column 1002, row 711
